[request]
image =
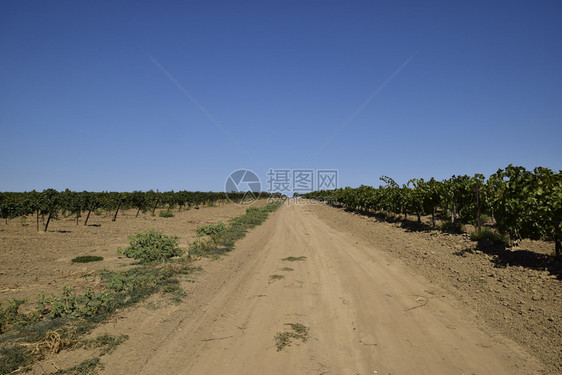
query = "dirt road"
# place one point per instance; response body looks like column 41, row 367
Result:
column 346, row 308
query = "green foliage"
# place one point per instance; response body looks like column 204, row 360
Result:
column 106, row 342
column 527, row 204
column 217, row 239
column 72, row 314
column 211, row 229
column 166, row 213
column 523, row 204
column 71, row 305
column 13, row 358
column 136, row 284
column 87, row 259
column 294, row 259
column 11, row 315
column 69, row 315
column 86, row 367
column 203, row 247
column 152, row 246
column 298, row 332
column 51, row 203
column 487, row 235
column 446, row 225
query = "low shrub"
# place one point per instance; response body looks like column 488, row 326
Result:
column 13, row 358
column 56, row 323
column 71, row 305
column 106, row 342
column 487, row 235
column 222, row 237
column 11, row 315
column 446, row 226
column 151, row 246
column 166, row 213
column 297, row 332
column 87, row 259
column 211, row 229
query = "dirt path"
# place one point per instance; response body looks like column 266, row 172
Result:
column 365, row 311
column 513, row 292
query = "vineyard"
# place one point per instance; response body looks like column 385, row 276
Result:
column 188, row 282
column 50, row 204
column 516, row 202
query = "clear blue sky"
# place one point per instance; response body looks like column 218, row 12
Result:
column 83, row 105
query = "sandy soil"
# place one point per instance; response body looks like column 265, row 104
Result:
column 366, row 310
column 32, row 261
column 516, row 293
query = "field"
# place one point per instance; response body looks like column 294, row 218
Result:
column 34, row 261
column 314, row 290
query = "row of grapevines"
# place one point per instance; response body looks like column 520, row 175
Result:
column 522, row 203
column 51, row 203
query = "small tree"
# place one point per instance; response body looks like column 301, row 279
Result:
column 51, row 201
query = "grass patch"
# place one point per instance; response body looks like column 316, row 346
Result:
column 218, row 239
column 287, row 269
column 166, row 213
column 488, row 236
column 13, row 358
column 294, row 259
column 135, row 285
column 275, row 277
column 87, row 259
column 106, row 342
column 86, row 367
column 58, row 321
column 298, row 332
column 217, row 229
column 11, row 315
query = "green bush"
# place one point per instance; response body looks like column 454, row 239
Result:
column 201, row 248
column 446, row 226
column 151, row 246
column 221, row 237
column 485, row 218
column 211, row 229
column 13, row 358
column 11, row 315
column 86, row 259
column 166, row 214
column 490, row 236
column 70, row 304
